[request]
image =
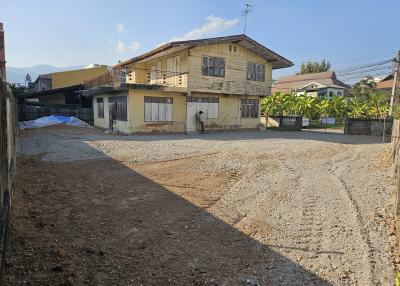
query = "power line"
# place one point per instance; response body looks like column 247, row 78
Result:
column 368, row 65
column 361, row 59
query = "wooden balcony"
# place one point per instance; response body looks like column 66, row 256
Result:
column 138, row 76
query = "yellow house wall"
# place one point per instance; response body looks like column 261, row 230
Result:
column 101, row 122
column 122, row 126
column 137, row 116
column 75, row 77
column 229, row 113
column 235, row 80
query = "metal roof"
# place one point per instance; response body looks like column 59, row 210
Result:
column 275, row 59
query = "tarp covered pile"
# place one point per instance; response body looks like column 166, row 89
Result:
column 53, row 120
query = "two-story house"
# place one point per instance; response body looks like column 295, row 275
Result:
column 322, row 84
column 163, row 90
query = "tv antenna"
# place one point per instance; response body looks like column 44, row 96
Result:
column 245, row 12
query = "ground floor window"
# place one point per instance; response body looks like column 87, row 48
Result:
column 100, row 107
column 249, row 108
column 157, row 108
column 209, row 105
column 118, row 107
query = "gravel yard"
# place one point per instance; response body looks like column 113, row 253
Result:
column 273, row 208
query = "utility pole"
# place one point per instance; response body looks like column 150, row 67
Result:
column 246, row 11
column 2, row 54
column 396, row 75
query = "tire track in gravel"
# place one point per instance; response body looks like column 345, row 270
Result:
column 369, row 277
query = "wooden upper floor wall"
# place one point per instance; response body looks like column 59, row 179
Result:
column 235, row 80
column 187, row 72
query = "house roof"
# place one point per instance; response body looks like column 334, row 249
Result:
column 386, row 83
column 289, row 83
column 276, row 60
column 43, row 77
column 52, row 91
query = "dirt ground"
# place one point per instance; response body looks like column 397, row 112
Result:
column 231, row 208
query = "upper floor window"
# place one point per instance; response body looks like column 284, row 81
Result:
column 213, row 66
column 256, row 72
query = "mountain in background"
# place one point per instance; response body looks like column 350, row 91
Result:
column 17, row 75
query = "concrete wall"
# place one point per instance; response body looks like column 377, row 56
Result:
column 137, row 112
column 75, row 77
column 374, row 127
column 8, row 131
column 228, row 113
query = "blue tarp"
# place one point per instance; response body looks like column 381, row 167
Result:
column 53, row 120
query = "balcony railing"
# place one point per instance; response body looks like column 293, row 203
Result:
column 138, row 76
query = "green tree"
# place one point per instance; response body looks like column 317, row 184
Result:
column 313, row 67
column 364, row 86
column 18, row 90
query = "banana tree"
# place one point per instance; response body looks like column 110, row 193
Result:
column 356, row 108
column 337, row 107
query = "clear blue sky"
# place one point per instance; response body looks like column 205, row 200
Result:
column 80, row 32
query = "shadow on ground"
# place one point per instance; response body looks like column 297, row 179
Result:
column 305, row 135
column 98, row 222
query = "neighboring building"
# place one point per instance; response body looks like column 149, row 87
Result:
column 2, row 54
column 323, row 84
column 62, row 87
column 164, row 89
column 386, row 84
column 42, row 83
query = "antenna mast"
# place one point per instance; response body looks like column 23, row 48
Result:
column 246, row 11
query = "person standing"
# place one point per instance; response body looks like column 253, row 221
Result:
column 202, row 119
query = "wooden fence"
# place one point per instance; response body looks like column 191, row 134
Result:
column 28, row 112
column 8, row 129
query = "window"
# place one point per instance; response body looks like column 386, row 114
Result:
column 155, row 72
column 249, row 108
column 157, row 108
column 213, row 66
column 118, row 107
column 122, row 76
column 209, row 105
column 173, row 65
column 256, row 72
column 100, row 107
column 339, row 93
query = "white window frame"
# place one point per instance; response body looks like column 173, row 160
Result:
column 158, row 109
